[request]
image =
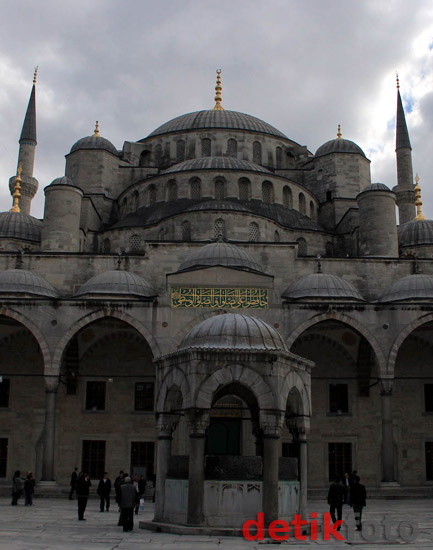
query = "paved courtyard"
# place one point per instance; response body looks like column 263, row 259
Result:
column 52, row 524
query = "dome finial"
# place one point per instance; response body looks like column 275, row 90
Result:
column 397, row 79
column 35, row 75
column 17, row 191
column 418, row 202
column 218, row 96
column 96, row 134
column 339, row 132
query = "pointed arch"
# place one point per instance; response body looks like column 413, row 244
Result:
column 408, row 329
column 174, row 378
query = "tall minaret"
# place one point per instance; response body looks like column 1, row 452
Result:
column 26, row 156
column 405, row 189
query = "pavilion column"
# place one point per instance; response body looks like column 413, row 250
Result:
column 165, row 428
column 49, row 429
column 271, row 448
column 388, row 474
column 198, row 422
column 299, row 429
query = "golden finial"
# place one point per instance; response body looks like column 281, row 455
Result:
column 96, row 134
column 17, row 191
column 418, row 201
column 218, row 96
column 35, row 75
column 398, row 81
column 339, row 132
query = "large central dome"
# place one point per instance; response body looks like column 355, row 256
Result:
column 229, row 120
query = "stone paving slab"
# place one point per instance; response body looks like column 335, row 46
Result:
column 52, row 524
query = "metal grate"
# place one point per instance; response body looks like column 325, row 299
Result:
column 244, row 189
column 93, row 458
column 106, row 246
column 232, row 148
column 302, row 206
column 172, row 191
column 339, row 459
column 220, row 190
column 287, row 197
column 257, row 152
column 253, row 232
column 186, row 231
column 144, row 396
column 220, row 229
column 196, row 189
column 302, row 247
column 267, row 192
column 206, row 147
column 135, row 244
column 95, row 396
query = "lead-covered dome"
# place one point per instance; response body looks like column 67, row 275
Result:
column 20, row 281
column 233, row 331
column 63, row 180
column 321, row 286
column 222, row 254
column 216, row 163
column 416, row 232
column 376, row 187
column 17, row 225
column 412, row 287
column 94, row 142
column 117, row 282
column 339, row 145
column 210, row 119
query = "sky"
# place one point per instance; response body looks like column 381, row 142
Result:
column 303, row 66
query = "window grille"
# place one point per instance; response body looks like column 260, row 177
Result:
column 338, row 398
column 253, row 232
column 267, row 192
column 257, row 152
column 180, row 151
column 93, row 458
column 196, row 189
column 232, row 148
column 186, row 231
column 220, row 189
column 144, row 396
column 95, row 396
column 142, row 458
column 329, row 249
column 172, row 191
column 244, row 189
column 135, row 244
column 106, row 246
column 302, row 247
column 220, row 229
column 287, row 197
column 158, row 155
column 206, row 148
column 279, row 156
column 152, row 195
column 302, row 206
column 339, row 459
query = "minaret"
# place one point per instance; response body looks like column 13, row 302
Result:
column 404, row 190
column 26, row 156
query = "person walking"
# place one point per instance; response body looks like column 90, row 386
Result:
column 347, row 484
column 117, row 483
column 135, row 482
column 74, row 477
column 358, row 496
column 17, row 487
column 29, row 489
column 128, row 500
column 335, row 500
column 83, row 485
column 104, row 490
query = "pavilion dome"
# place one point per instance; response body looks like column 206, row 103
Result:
column 339, row 145
column 415, row 233
column 411, row 287
column 63, row 180
column 323, row 286
column 233, row 331
column 94, row 142
column 20, row 281
column 18, row 225
column 118, row 282
column 222, row 254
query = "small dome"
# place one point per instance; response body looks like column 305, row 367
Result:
column 415, row 232
column 233, row 331
column 216, row 163
column 321, row 285
column 222, row 254
column 20, row 281
column 94, row 142
column 376, row 187
column 63, row 180
column 18, row 225
column 339, row 145
column 412, row 287
column 118, row 282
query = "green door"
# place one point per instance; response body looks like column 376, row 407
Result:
column 223, row 436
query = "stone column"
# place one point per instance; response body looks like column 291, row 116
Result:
column 271, row 447
column 388, row 474
column 303, row 472
column 198, row 423
column 52, row 385
column 165, row 428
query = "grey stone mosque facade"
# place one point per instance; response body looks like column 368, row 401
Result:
column 220, row 309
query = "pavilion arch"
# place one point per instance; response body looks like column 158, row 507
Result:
column 102, row 314
column 175, row 378
column 36, row 333
column 292, row 381
column 335, row 316
column 402, row 337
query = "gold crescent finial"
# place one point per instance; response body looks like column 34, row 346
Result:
column 339, row 132
column 398, row 80
column 96, row 134
column 17, row 191
column 218, row 96
column 418, row 202
column 35, row 75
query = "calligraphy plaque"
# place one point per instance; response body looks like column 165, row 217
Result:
column 234, row 298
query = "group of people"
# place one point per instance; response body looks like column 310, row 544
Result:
column 347, row 490
column 22, row 486
column 128, row 493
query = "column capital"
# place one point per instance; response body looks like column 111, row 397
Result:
column 165, row 424
column 198, row 422
column 386, row 386
column 271, row 423
column 52, row 383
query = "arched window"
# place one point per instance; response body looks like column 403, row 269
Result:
column 158, row 155
column 257, row 152
column 195, row 188
column 135, row 245
column 290, row 160
column 302, row 205
column 220, row 229
column 329, row 248
column 253, row 232
column 186, row 231
column 312, row 211
column 287, row 197
column 145, row 158
column 180, row 150
column 276, row 237
column 232, row 148
column 244, row 189
column 172, row 191
column 279, row 157
column 268, row 192
column 302, row 247
column 135, row 200
column 151, row 195
column 161, row 234
column 106, row 246
column 206, row 147
column 220, row 189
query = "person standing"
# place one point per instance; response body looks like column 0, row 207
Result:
column 74, row 477
column 346, row 483
column 17, row 487
column 335, row 500
column 104, row 490
column 128, row 500
column 135, row 482
column 117, row 483
column 358, row 496
column 83, row 484
column 29, row 489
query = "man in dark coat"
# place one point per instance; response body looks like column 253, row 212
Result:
column 358, row 497
column 336, row 495
column 83, row 484
column 104, row 490
column 74, row 477
column 128, row 500
column 117, row 483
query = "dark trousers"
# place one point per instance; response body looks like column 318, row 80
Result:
column 128, row 519
column 15, row 497
column 82, row 503
column 28, row 501
column 104, row 499
column 339, row 508
column 358, row 516
column 71, row 492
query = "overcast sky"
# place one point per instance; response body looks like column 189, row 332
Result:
column 303, row 66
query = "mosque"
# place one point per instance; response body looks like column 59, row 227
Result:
column 221, row 310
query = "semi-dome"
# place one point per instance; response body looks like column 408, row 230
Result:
column 339, row 145
column 17, row 225
column 20, row 281
column 118, row 282
column 233, row 331
column 321, row 285
column 415, row 233
column 222, row 254
column 210, row 119
column 216, row 163
column 94, row 142
column 63, row 180
column 411, row 287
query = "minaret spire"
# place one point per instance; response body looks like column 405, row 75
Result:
column 218, row 96
column 28, row 133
